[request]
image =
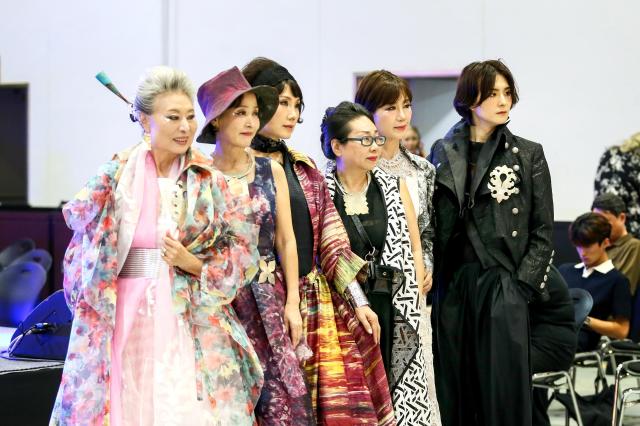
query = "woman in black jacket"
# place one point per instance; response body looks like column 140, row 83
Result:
column 494, row 217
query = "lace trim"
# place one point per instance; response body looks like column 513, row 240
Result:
column 400, row 165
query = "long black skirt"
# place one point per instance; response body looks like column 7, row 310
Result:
column 481, row 349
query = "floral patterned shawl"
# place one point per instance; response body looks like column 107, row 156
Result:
column 212, row 226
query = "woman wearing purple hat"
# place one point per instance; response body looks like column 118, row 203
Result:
column 270, row 313
column 345, row 372
column 158, row 251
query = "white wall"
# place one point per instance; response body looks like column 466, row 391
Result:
column 576, row 63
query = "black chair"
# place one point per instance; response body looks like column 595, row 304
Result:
column 564, row 380
column 40, row 256
column 20, row 286
column 15, row 250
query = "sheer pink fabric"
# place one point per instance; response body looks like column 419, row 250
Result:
column 153, row 363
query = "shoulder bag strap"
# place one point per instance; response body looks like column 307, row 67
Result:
column 373, row 253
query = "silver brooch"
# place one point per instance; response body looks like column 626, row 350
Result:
column 502, row 183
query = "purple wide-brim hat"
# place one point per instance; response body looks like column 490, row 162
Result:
column 217, row 94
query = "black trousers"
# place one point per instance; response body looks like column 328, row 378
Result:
column 547, row 356
column 482, row 349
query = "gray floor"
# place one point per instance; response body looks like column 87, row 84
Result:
column 584, row 386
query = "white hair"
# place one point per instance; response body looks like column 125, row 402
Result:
column 156, row 81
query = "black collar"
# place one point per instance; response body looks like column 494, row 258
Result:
column 268, row 145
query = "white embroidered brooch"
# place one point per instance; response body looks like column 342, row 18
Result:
column 502, row 183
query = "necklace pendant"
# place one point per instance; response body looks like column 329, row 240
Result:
column 356, row 203
column 238, row 186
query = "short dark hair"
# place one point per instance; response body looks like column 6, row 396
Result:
column 609, row 202
column 476, row 84
column 588, row 229
column 259, row 64
column 380, row 88
column 335, row 124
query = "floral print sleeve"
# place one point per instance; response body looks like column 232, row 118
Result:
column 228, row 249
column 85, row 216
column 90, row 200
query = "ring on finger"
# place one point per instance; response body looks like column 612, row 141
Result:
column 163, row 252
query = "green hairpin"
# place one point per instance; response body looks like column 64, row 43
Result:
column 106, row 81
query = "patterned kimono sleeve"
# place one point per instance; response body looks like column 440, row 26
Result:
column 231, row 255
column 428, row 233
column 84, row 215
column 339, row 264
column 84, row 209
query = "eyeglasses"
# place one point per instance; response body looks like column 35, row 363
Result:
column 368, row 140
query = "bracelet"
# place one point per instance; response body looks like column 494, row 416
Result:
column 356, row 295
column 587, row 322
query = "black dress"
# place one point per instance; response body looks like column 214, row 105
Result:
column 375, row 225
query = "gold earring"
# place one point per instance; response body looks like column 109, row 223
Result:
column 146, row 137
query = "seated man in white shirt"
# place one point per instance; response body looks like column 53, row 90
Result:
column 611, row 310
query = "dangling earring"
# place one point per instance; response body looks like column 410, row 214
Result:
column 146, row 137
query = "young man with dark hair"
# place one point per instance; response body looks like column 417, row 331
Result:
column 494, row 218
column 611, row 310
column 624, row 250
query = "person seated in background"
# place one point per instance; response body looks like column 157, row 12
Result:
column 413, row 142
column 624, row 250
column 553, row 338
column 609, row 288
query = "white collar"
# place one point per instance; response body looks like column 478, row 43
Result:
column 603, row 268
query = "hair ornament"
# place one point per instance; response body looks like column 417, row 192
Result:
column 103, row 78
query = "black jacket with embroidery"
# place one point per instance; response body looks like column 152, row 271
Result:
column 515, row 232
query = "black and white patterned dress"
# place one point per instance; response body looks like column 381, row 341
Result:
column 419, row 175
column 619, row 173
column 413, row 388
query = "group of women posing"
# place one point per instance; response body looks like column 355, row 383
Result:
column 240, row 288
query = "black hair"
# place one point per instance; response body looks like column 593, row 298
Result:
column 609, row 202
column 253, row 69
column 476, row 84
column 588, row 229
column 335, row 124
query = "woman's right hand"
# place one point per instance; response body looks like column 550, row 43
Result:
column 369, row 321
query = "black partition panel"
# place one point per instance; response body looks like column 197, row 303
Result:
column 565, row 252
column 13, row 144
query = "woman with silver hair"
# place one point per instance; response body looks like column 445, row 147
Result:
column 158, row 252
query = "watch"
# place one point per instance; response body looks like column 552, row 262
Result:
column 587, row 321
